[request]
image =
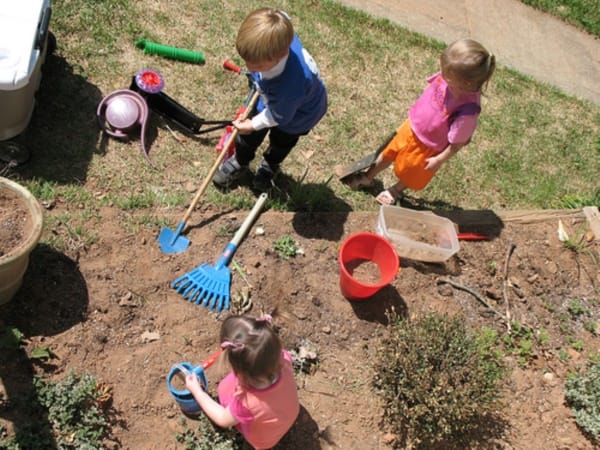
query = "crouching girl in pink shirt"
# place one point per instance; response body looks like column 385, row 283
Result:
column 259, row 396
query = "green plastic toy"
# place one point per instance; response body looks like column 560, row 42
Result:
column 181, row 54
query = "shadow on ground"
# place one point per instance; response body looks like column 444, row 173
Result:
column 43, row 307
column 63, row 130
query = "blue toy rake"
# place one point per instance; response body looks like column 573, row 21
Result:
column 208, row 285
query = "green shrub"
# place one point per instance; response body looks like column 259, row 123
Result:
column 65, row 414
column 583, row 395
column 208, row 436
column 73, row 411
column 286, row 247
column 437, row 378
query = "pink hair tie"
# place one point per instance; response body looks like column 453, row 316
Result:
column 265, row 318
column 229, row 344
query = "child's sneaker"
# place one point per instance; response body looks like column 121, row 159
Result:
column 263, row 180
column 229, row 171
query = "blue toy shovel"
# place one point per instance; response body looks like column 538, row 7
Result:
column 209, row 285
column 171, row 241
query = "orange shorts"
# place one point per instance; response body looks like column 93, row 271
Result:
column 409, row 156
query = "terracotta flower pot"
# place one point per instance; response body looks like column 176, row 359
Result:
column 21, row 221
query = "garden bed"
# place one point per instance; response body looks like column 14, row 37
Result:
column 108, row 309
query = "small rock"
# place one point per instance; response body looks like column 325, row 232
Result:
column 150, row 336
column 127, row 300
column 533, row 277
column 260, row 231
column 300, row 314
column 389, row 438
column 326, row 329
column 445, row 290
column 101, row 338
column 491, row 293
column 549, row 378
column 344, row 336
column 565, row 443
column 518, row 292
column 49, row 204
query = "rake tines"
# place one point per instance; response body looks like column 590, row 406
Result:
column 205, row 286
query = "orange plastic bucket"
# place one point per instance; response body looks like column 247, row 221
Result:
column 370, row 251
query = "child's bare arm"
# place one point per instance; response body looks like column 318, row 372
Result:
column 435, row 162
column 379, row 165
column 220, row 415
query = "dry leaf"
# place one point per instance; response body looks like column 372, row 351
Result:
column 307, row 154
column 150, row 336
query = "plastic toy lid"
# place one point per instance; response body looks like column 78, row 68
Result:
column 122, row 112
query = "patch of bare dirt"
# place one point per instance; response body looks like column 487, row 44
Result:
column 109, row 310
column 15, row 221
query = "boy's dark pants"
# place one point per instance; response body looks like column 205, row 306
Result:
column 280, row 145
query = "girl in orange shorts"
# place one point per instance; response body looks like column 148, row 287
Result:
column 439, row 123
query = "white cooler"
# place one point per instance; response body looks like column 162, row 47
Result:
column 23, row 45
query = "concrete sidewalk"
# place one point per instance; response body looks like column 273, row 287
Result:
column 522, row 38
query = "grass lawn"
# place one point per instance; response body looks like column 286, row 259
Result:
column 584, row 14
column 535, row 147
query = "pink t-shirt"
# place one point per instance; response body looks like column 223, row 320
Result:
column 438, row 118
column 264, row 415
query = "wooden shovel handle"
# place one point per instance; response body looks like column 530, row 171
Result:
column 220, row 158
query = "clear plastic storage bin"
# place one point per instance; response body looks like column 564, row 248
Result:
column 418, row 235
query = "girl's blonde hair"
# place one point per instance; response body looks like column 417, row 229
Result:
column 469, row 61
column 252, row 347
column 265, row 35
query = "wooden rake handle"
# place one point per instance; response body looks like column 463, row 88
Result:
column 232, row 246
column 249, row 220
column 219, row 159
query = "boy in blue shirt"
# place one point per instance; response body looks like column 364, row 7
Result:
column 292, row 100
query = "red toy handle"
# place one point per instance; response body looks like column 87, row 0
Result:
column 473, row 237
column 211, row 359
column 230, row 65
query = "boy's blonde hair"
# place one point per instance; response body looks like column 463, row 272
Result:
column 252, row 348
column 265, row 35
column 468, row 61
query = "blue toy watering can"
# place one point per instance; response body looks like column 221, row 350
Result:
column 184, row 397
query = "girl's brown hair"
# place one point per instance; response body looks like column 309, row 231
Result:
column 252, row 348
column 469, row 61
column 265, row 35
